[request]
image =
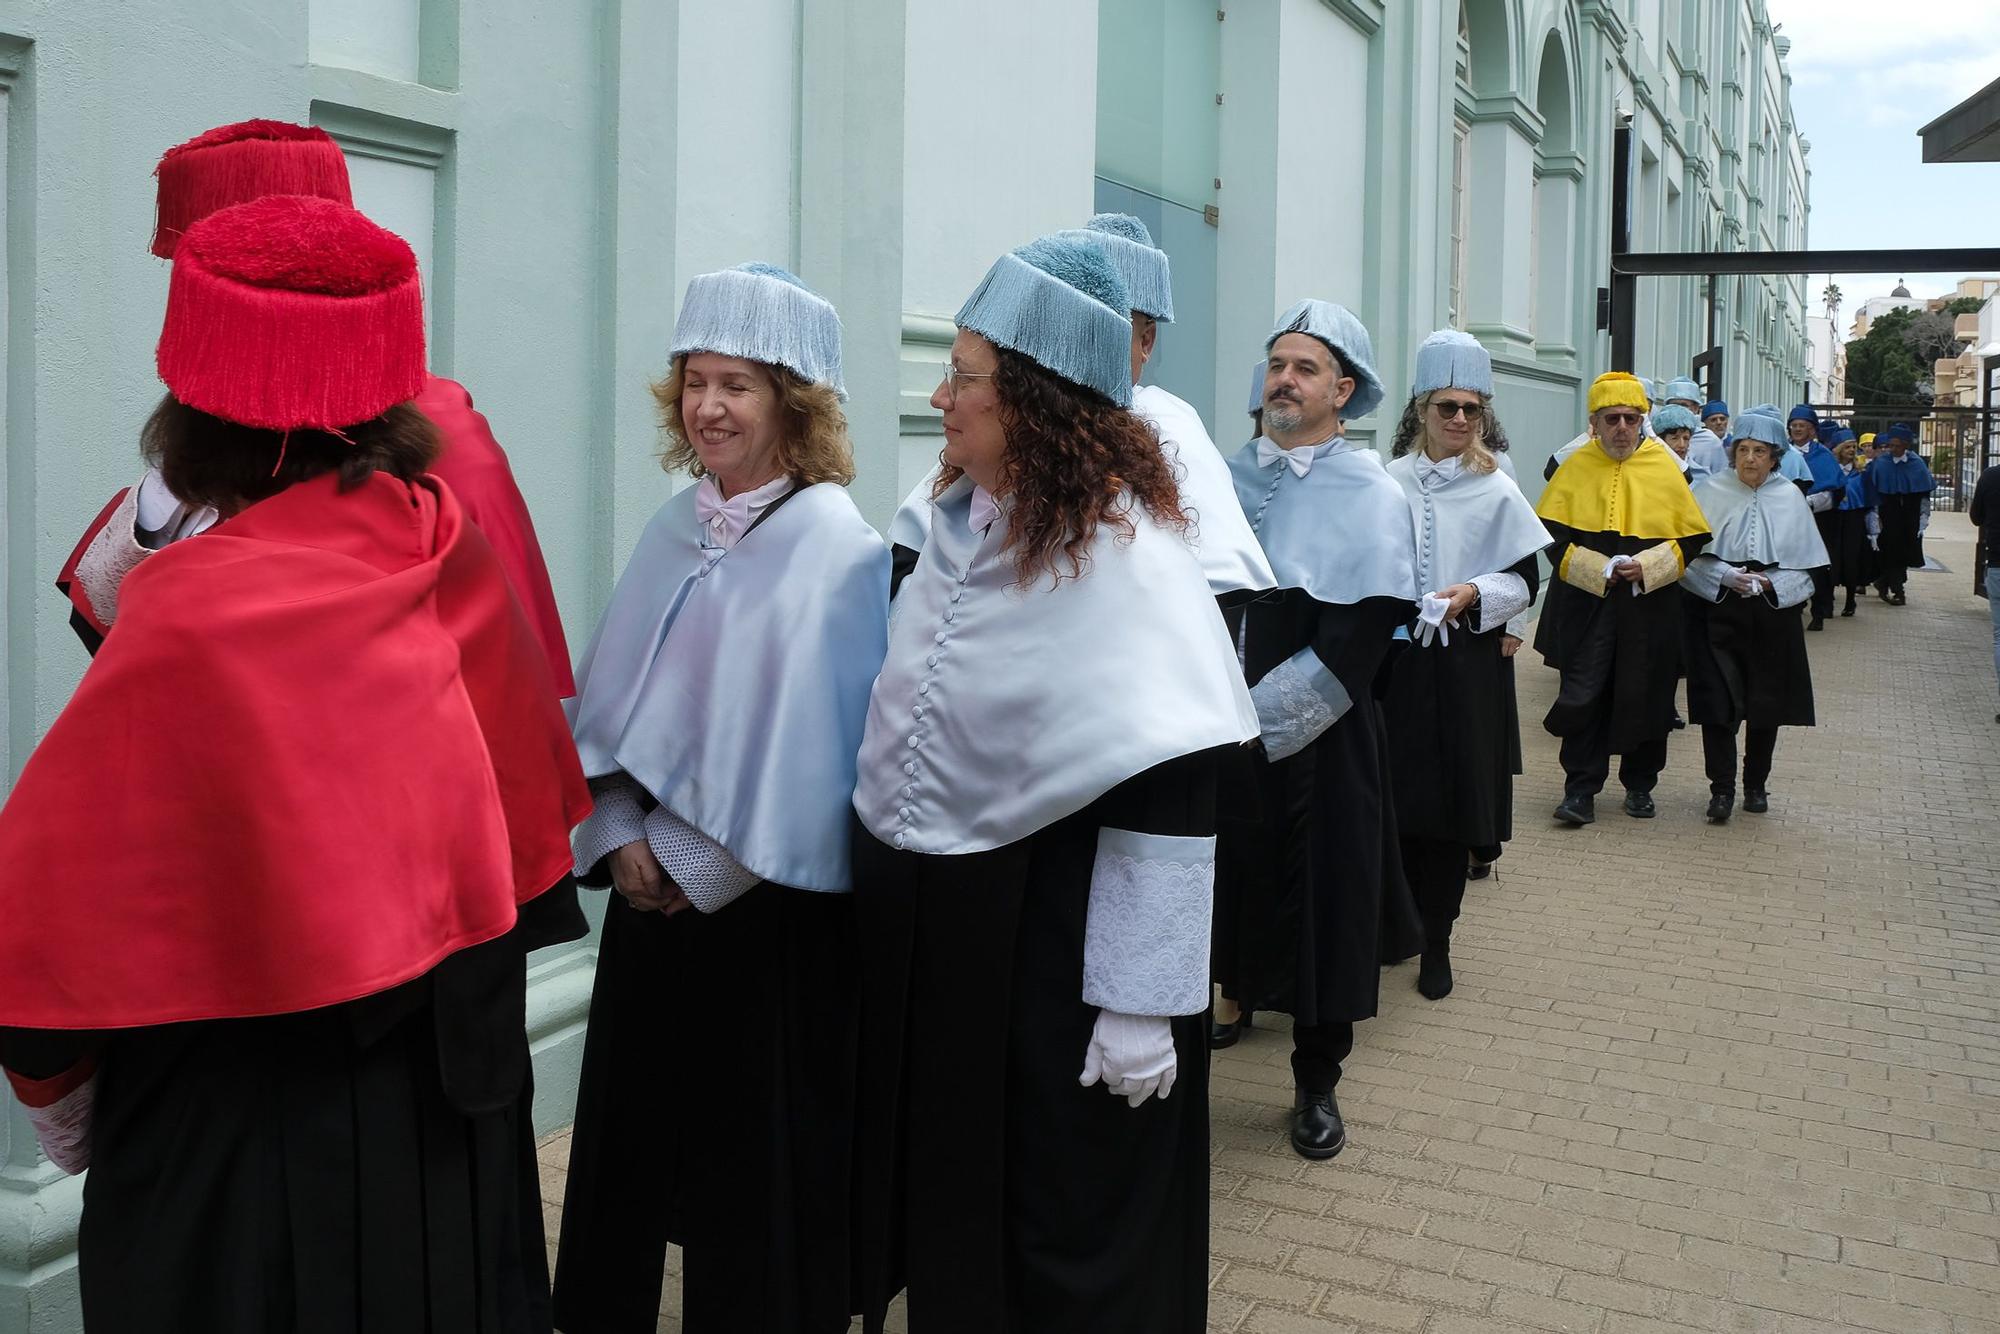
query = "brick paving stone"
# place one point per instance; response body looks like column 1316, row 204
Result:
column 1742, row 1078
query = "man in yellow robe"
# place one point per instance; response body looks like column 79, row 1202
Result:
column 1625, row 527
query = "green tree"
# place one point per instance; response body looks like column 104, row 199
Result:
column 1884, row 377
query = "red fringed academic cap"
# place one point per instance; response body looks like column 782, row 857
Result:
column 319, row 753
column 233, row 164
column 291, row 312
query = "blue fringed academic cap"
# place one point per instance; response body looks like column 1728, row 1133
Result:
column 1900, row 431
column 762, row 313
column 1803, row 413
column 1449, row 359
column 1339, row 329
column 1673, row 417
column 1713, row 409
column 1062, row 305
column 1682, row 388
column 1761, row 425
column 1143, row 265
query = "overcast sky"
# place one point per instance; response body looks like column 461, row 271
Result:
column 1866, row 76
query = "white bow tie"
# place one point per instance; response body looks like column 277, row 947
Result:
column 710, row 506
column 1436, row 472
column 1301, row 460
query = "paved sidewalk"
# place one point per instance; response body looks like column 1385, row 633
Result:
column 1743, row 1078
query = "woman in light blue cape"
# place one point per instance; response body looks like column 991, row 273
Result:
column 718, row 712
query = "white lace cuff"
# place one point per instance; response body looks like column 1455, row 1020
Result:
column 1703, row 578
column 62, row 1127
column 1146, row 935
column 1789, row 587
column 1659, row 567
column 703, row 868
column 1819, row 502
column 114, row 553
column 1296, row 701
column 1503, row 595
column 615, row 820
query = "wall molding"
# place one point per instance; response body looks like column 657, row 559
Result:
column 1365, row 15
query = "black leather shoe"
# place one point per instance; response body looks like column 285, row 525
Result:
column 1720, row 804
column 1848, row 610
column 1577, row 811
column 1756, row 800
column 1816, row 623
column 1679, row 722
column 1480, row 870
column 1317, row 1130
column 1226, row 1035
column 1639, row 805
column 1896, row 598
column 1434, row 973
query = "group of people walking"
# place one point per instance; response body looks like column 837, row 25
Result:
column 925, row 854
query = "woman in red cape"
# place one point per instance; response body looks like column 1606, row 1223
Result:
column 262, row 970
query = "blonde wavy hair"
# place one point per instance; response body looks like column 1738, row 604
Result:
column 1413, row 432
column 813, row 445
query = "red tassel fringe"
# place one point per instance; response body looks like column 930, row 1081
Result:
column 282, row 360
column 199, row 181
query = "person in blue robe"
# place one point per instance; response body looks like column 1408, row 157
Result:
column 1823, row 488
column 1900, row 485
column 1853, row 559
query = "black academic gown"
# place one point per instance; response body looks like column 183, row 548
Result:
column 1455, row 736
column 714, row 1112
column 365, row 1168
column 1310, row 896
column 1630, row 646
column 1746, row 663
column 1005, row 1196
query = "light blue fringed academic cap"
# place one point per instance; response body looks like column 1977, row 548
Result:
column 1761, row 424
column 762, row 313
column 1673, row 417
column 1449, row 359
column 1143, row 265
column 1257, row 384
column 1062, row 305
column 1682, row 387
column 1339, row 329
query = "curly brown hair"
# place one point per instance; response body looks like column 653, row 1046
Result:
column 812, row 446
column 205, row 460
column 1071, row 456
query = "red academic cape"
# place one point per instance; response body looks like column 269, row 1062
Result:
column 318, row 753
column 474, row 466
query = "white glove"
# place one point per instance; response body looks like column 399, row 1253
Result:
column 1742, row 582
column 1819, row 502
column 1132, row 1054
column 1431, row 623
column 1874, row 542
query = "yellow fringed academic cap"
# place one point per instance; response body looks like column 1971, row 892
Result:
column 1618, row 389
column 1645, row 496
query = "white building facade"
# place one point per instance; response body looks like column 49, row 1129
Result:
column 562, row 170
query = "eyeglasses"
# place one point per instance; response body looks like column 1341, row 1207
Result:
column 954, row 378
column 1452, row 411
column 1622, row 418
